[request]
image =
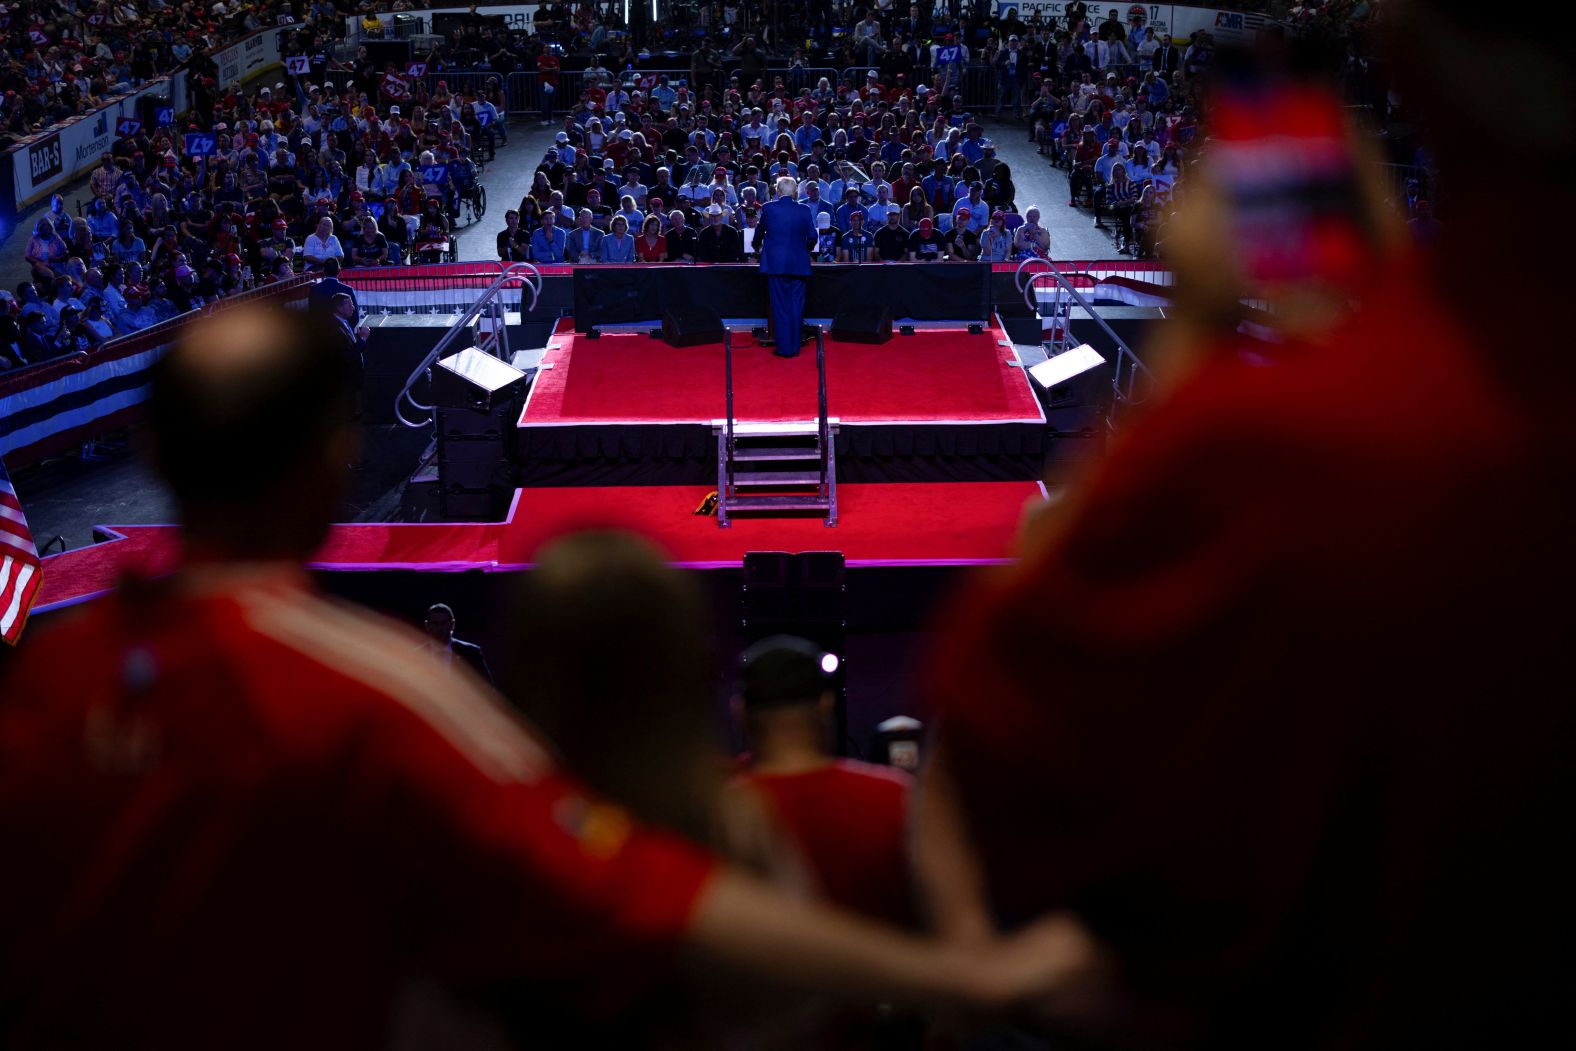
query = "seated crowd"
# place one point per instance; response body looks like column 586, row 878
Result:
column 897, row 168
column 295, row 182
column 672, row 175
column 334, row 165
column 63, row 59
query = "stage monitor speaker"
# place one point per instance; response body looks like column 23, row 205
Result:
column 863, row 325
column 474, row 380
column 691, row 327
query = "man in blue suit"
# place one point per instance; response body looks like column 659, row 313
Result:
column 787, row 230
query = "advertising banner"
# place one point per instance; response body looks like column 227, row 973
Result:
column 49, row 161
column 246, row 58
column 520, row 17
column 1176, row 20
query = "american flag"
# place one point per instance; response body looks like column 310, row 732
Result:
column 19, row 569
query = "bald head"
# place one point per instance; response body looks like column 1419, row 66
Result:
column 252, row 403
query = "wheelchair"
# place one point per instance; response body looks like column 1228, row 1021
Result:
column 470, row 196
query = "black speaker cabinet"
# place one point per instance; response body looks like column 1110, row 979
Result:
column 863, row 325
column 691, row 327
column 474, row 380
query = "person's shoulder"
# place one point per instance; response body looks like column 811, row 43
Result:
column 379, row 673
column 873, row 776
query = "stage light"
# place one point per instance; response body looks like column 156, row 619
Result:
column 829, row 663
column 1060, row 368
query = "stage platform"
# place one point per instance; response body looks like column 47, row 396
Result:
column 940, row 405
column 889, row 525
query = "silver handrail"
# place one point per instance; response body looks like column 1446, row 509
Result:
column 514, row 271
column 1135, row 365
column 1017, row 275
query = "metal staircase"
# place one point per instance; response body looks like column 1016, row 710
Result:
column 1130, row 377
column 777, row 469
column 489, row 316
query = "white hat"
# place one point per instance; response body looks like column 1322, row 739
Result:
column 563, row 136
column 872, row 75
column 626, row 134
column 1012, row 38
column 822, row 221
column 714, row 209
column 393, row 111
column 922, row 90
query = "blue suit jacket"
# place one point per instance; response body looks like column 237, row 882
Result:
column 787, row 232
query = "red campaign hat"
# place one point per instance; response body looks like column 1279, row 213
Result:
column 357, row 195
column 233, row 259
column 280, row 224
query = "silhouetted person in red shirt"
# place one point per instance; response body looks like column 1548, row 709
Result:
column 849, row 818
column 1279, row 700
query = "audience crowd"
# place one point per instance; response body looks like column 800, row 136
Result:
column 354, row 161
column 304, row 177
column 65, row 57
column 897, row 167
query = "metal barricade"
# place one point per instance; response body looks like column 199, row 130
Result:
column 526, row 98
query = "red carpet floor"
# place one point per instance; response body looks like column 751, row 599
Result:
column 926, row 524
column 934, row 375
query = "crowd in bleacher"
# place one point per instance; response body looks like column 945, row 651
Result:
column 65, row 57
column 301, row 174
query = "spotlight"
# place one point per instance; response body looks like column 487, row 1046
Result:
column 829, row 663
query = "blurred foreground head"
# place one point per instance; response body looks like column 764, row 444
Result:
column 614, row 663
column 251, row 431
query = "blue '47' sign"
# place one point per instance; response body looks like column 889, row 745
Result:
column 126, row 127
column 200, row 143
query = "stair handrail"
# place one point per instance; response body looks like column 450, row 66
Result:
column 1017, row 275
column 823, row 428
column 727, row 374
column 514, row 271
column 1136, row 365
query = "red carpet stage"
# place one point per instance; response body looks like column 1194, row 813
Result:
column 626, row 409
column 890, row 524
column 934, row 375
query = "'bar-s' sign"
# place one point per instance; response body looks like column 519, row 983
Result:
column 44, row 160
column 126, row 127
column 200, row 143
